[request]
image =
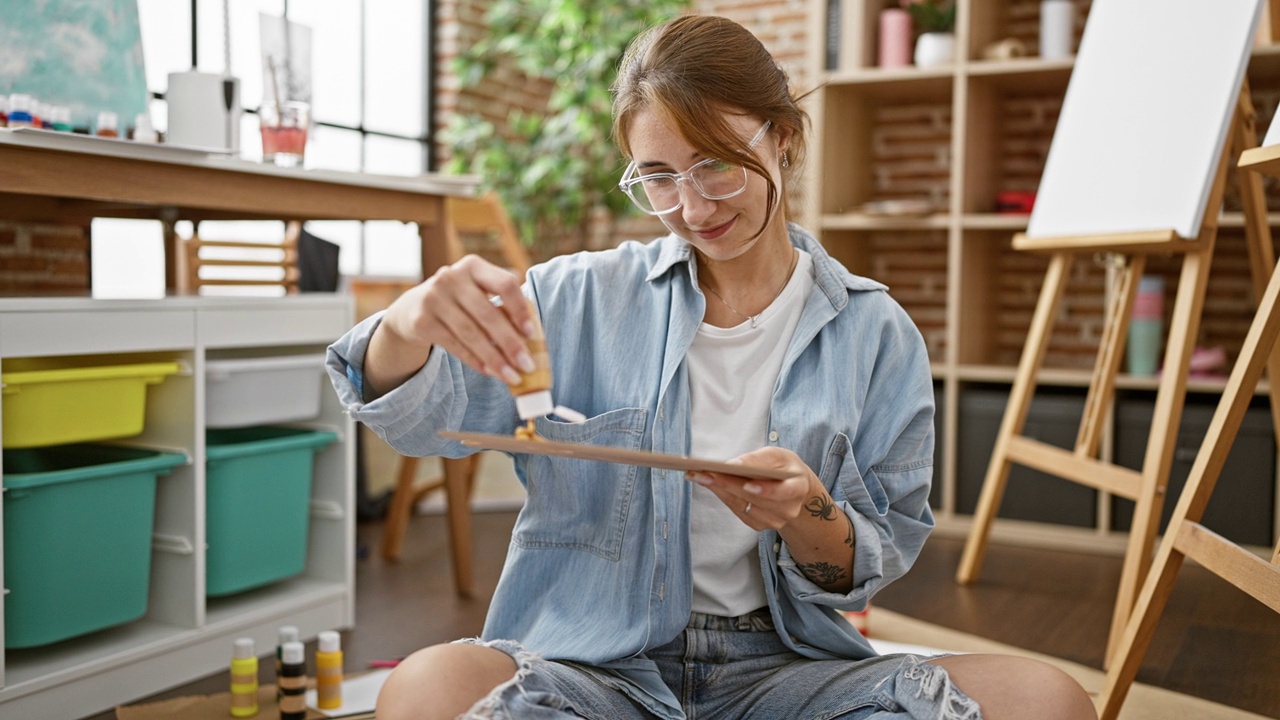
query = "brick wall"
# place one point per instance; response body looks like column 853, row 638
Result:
column 43, row 259
column 782, row 25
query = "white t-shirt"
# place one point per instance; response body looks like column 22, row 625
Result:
column 732, row 375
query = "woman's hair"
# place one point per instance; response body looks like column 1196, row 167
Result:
column 691, row 71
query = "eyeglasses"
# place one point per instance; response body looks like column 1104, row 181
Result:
column 659, row 193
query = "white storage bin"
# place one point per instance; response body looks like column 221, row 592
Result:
column 257, row 391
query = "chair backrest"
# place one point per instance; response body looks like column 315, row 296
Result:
column 250, row 266
column 484, row 216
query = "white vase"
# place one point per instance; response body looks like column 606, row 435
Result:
column 1057, row 28
column 935, row 48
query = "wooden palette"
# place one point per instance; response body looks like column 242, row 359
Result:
column 641, row 458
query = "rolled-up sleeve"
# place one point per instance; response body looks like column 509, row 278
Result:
column 443, row 394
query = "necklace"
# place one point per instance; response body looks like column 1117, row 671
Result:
column 755, row 318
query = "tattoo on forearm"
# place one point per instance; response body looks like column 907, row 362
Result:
column 822, row 507
column 823, row 573
column 849, row 540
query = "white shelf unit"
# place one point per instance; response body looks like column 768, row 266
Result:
column 185, row 636
column 958, row 134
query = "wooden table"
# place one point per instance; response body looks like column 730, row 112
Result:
column 59, row 177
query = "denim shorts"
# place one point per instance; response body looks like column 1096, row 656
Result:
column 723, row 668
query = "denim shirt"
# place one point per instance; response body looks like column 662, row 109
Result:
column 598, row 569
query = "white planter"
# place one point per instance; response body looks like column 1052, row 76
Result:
column 935, row 48
column 1057, row 28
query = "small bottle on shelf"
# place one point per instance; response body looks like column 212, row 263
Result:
column 20, row 107
column 142, row 130
column 60, row 118
column 108, row 124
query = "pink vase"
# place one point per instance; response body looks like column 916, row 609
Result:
column 895, row 38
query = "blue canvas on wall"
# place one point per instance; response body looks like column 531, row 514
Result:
column 85, row 54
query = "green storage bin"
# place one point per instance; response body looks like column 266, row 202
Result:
column 77, row 538
column 257, row 500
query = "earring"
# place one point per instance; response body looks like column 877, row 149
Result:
column 785, row 162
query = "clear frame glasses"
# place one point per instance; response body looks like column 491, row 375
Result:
column 659, row 193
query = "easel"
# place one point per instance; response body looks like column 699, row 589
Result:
column 1185, row 536
column 1080, row 464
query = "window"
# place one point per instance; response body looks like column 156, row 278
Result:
column 370, row 90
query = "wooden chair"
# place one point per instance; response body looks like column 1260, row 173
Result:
column 465, row 218
column 247, row 255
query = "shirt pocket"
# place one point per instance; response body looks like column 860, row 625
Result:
column 582, row 504
column 840, row 470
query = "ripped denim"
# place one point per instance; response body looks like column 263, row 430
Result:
column 728, row 668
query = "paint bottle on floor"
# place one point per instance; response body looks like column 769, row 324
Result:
column 244, row 679
column 292, row 682
column 287, row 633
column 329, row 671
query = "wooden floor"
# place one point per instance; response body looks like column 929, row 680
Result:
column 1214, row 641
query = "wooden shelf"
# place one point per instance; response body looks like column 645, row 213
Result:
column 860, row 221
column 184, row 635
column 958, row 135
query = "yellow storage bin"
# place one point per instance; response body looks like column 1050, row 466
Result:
column 67, row 405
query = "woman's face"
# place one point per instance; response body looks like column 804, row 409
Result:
column 720, row 229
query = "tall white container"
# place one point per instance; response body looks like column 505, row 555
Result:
column 204, row 111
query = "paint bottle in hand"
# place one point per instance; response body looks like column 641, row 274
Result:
column 293, row 682
column 329, row 671
column 244, row 679
column 533, row 392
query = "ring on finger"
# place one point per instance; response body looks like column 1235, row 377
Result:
column 747, row 510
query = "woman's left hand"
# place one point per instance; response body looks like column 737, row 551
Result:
column 764, row 503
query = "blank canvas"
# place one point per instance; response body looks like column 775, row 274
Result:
column 1145, row 117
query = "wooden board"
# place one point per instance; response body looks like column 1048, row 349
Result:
column 1146, row 115
column 641, row 458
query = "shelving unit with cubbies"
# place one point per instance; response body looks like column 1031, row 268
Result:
column 184, row 634
column 956, row 135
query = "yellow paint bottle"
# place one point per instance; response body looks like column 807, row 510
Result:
column 533, row 392
column 329, row 671
column 244, row 679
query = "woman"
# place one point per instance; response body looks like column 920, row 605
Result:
column 635, row 593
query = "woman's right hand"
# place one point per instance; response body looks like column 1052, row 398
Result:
column 457, row 309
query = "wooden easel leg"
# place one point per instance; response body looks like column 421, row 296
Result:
column 1110, row 350
column 1257, row 230
column 1254, row 356
column 1162, row 439
column 1024, row 384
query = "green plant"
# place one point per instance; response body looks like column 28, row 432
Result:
column 931, row 15
column 552, row 167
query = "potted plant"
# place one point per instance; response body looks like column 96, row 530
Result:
column 554, row 167
column 935, row 20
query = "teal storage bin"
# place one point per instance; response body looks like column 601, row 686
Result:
column 77, row 538
column 257, row 500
